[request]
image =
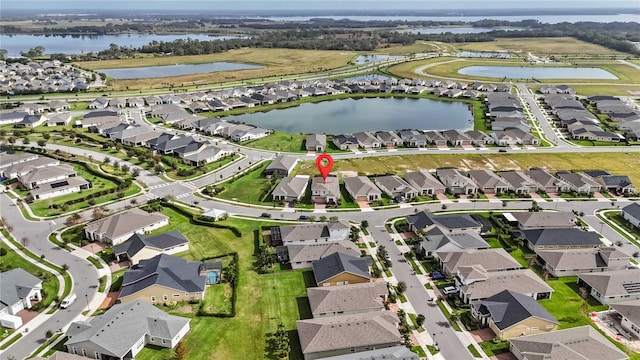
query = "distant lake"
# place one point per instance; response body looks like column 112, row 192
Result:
column 534, row 72
column 455, row 30
column 77, row 44
column 482, row 54
column 369, row 114
column 367, row 59
column 149, row 72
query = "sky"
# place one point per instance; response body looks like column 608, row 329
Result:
column 52, row 5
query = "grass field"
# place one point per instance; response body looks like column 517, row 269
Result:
column 567, row 306
column 277, row 62
column 616, row 163
column 541, row 46
column 263, row 300
column 249, row 188
column 586, row 90
column 279, row 141
column 417, row 47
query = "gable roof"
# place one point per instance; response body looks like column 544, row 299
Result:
column 360, row 186
column 523, row 281
column 487, row 179
column 399, row 352
column 632, row 210
column 614, row 283
column 16, row 285
column 438, row 240
column 629, row 309
column 125, row 222
column 458, row 221
column 292, row 186
column 578, row 343
column 562, row 237
column 508, row 308
column 348, row 331
column 117, row 330
column 46, row 173
column 163, row 270
column 423, row 180
column 490, row 259
column 544, row 219
column 580, row 258
column 282, row 162
column 289, row 233
column 347, row 298
column 338, row 263
column 314, row 140
column 313, row 252
column 139, row 241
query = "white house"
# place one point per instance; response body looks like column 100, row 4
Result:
column 117, row 228
column 631, row 213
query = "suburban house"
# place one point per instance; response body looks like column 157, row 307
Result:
column 396, row 188
column 510, row 314
column 457, row 138
column 122, row 331
column 458, row 223
column 281, row 166
column 477, row 284
column 618, row 184
column 58, row 188
column 303, row 256
column 389, row 139
column 119, row 227
column 59, row 119
column 488, row 182
column 344, row 142
column 99, row 103
column 316, row 142
column 456, row 182
column 13, row 166
column 544, row 219
column 413, row 138
column 141, row 247
column 424, row 182
column 580, row 183
column 399, row 352
column 325, row 191
column 561, row 238
column 46, row 174
column 479, row 138
column 312, row 233
column 362, row 189
column 9, row 159
column 347, row 299
column 290, row 188
column 341, row 269
column 489, row 259
column 163, row 278
column 631, row 213
column 436, row 240
column 519, row 182
column 19, row 290
column 610, row 287
column 547, row 182
column 583, row 342
column 577, row 261
column 367, row 140
column 435, row 138
column 630, row 313
column 346, row 334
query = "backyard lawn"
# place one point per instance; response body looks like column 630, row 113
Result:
column 263, row 301
column 250, row 188
column 567, row 306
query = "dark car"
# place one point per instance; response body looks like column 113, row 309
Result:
column 265, row 215
column 436, row 275
column 502, row 150
column 303, row 217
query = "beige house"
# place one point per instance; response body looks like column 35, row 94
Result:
column 119, row 227
column 141, row 247
column 347, row 299
column 341, row 269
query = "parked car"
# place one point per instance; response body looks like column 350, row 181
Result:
column 303, row 217
column 436, row 275
column 449, row 290
column 66, row 302
column 265, row 215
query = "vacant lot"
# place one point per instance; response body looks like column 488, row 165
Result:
column 616, row 163
column 541, row 46
column 277, row 62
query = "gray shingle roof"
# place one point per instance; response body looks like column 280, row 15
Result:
column 544, row 219
column 338, row 263
column 633, row 210
column 629, row 309
column 614, row 283
column 164, row 270
column 390, row 353
column 582, row 259
column 523, row 281
column 459, row 221
column 508, row 308
column 117, row 330
column 562, row 237
column 125, row 222
column 16, row 285
column 438, row 240
column 139, row 241
column 292, row 186
column 347, row 298
column 313, row 252
column 490, row 259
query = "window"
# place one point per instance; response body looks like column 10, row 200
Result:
column 534, row 328
column 164, row 341
column 97, row 355
column 326, row 284
column 153, row 339
column 549, row 326
column 165, row 297
column 176, row 295
column 74, row 350
column 84, row 352
column 153, row 299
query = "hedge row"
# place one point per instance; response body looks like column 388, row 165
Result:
column 234, row 287
column 200, row 220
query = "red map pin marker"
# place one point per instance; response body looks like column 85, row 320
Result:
column 324, row 162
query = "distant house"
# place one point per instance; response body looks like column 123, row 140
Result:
column 544, row 219
column 577, row 261
column 119, row 227
column 389, row 139
column 347, row 299
column 424, row 182
column 59, row 119
column 122, row 331
column 313, row 233
column 479, row 138
column 580, row 183
column 573, row 343
column 435, row 138
column 547, row 182
column 561, row 238
column 631, row 213
column 347, row 334
column 396, row 188
column 437, row 239
column 344, row 142
column 281, row 166
column 99, row 103
column 458, row 223
column 630, row 313
column 489, row 259
column 163, row 278
column 19, row 290
column 290, row 188
column 413, row 138
column 457, row 138
column 140, row 247
column 476, row 284
column 399, row 352
column 325, row 191
column 610, row 287
column 316, row 142
column 488, row 182
column 341, row 269
column 31, row 121
column 303, row 256
column 44, row 175
column 510, row 314
column 456, row 182
column 619, row 184
column 362, row 189
column 15, row 166
column 519, row 182
column 367, row 140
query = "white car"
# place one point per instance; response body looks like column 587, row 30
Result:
column 449, row 290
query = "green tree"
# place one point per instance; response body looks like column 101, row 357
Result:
column 282, row 343
column 420, row 320
column 402, row 287
column 135, row 173
column 159, row 169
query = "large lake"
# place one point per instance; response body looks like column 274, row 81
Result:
column 369, row 114
column 532, row 72
column 77, row 44
column 149, row 72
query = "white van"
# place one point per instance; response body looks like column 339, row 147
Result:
column 66, row 302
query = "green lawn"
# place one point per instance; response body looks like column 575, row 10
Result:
column 217, row 299
column 263, row 300
column 567, row 306
column 50, row 284
column 279, row 141
column 252, row 188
